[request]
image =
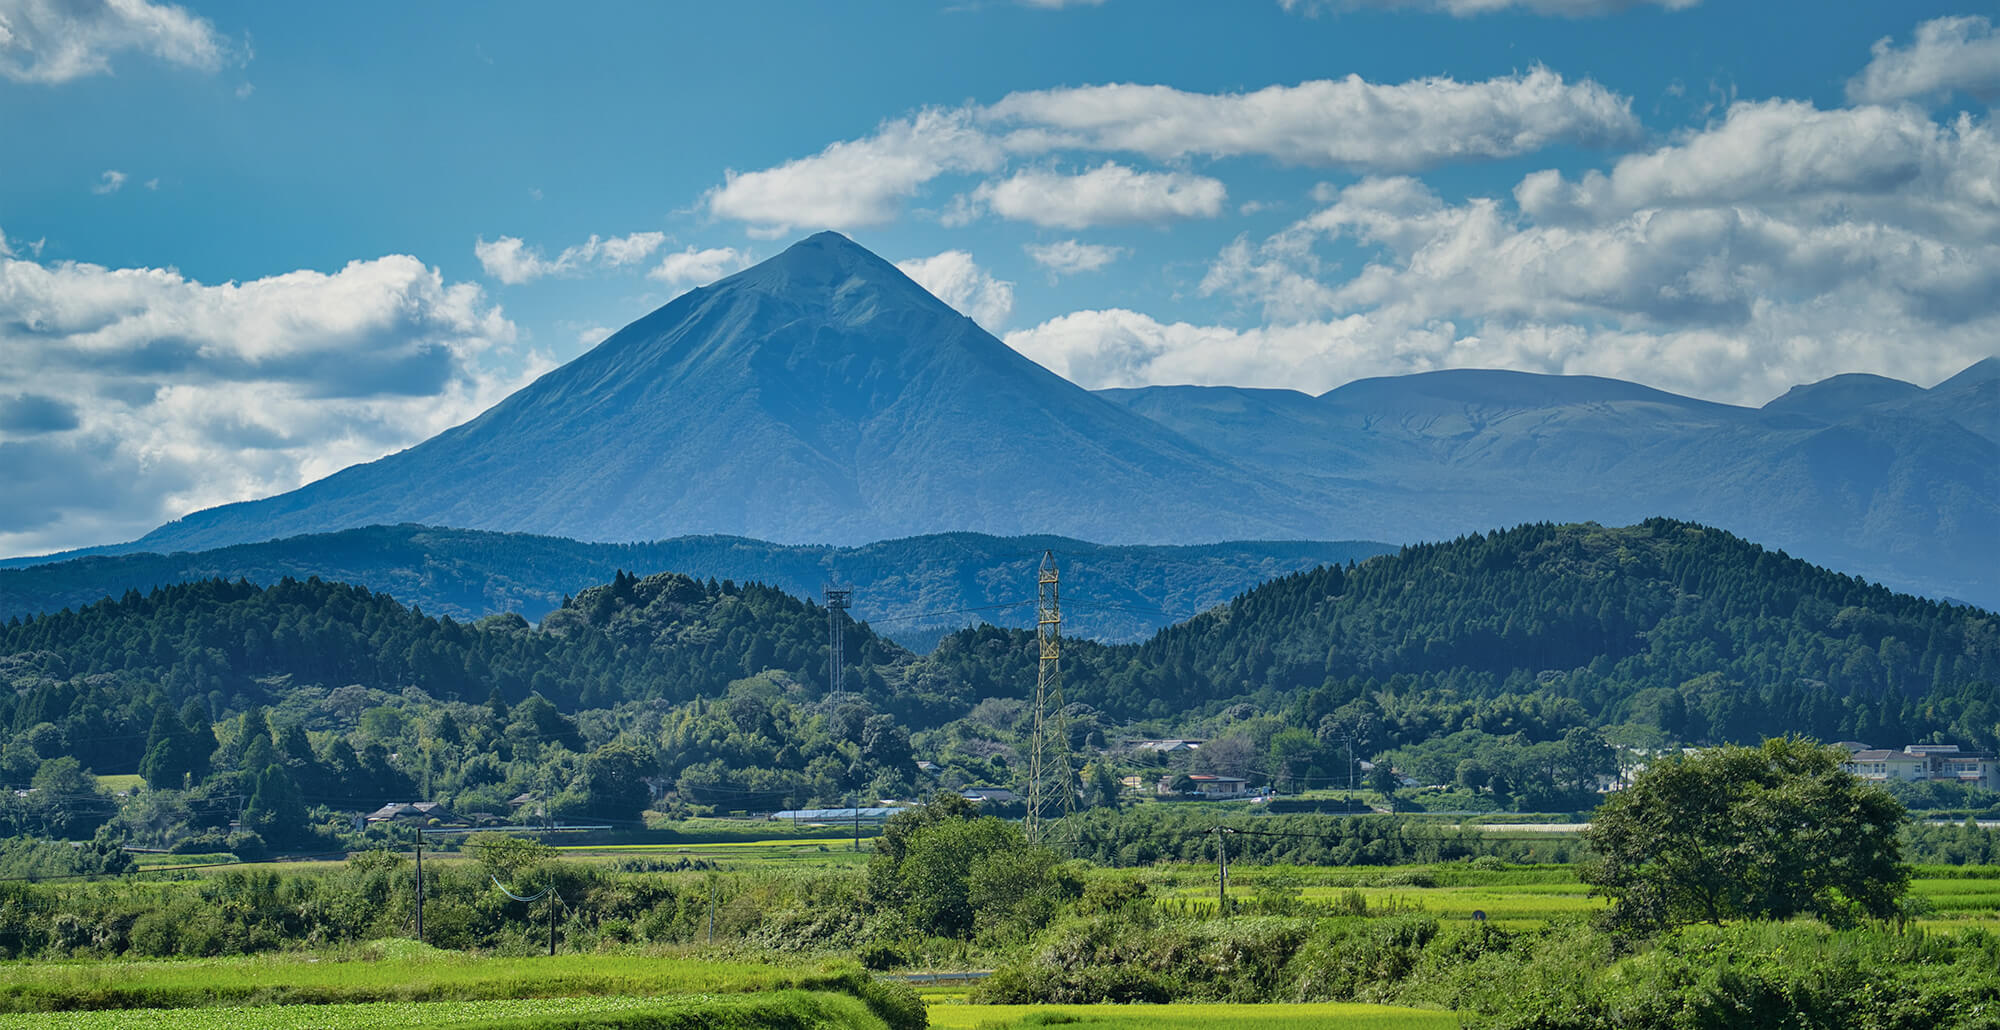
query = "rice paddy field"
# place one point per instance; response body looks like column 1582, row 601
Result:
column 1521, row 897
column 402, row 984
column 1189, row 1017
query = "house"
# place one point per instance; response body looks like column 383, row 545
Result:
column 986, row 795
column 928, row 768
column 1926, row 762
column 1209, row 786
column 413, row 812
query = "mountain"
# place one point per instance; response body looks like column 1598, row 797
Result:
column 912, row 589
column 1866, row 474
column 821, row 397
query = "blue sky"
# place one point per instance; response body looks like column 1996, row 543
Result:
column 248, row 244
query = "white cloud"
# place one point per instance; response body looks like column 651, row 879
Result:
column 693, row 267
column 1469, row 8
column 55, row 41
column 181, row 395
column 953, row 277
column 1349, row 123
column 1947, row 54
column 1891, row 163
column 110, row 182
column 1778, row 247
column 511, row 261
column 1110, row 194
column 1069, row 257
column 856, row 183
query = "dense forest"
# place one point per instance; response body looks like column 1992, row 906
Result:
column 1506, row 669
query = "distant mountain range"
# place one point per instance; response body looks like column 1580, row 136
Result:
column 823, row 397
column 912, row 590
column 1867, row 475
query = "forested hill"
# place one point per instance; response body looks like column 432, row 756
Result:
column 1672, row 631
column 97, row 674
column 1666, row 625
column 1123, row 593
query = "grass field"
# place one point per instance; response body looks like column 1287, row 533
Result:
column 776, row 1009
column 1519, row 897
column 386, row 971
column 1190, row 1017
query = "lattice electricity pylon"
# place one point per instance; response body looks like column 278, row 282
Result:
column 836, row 651
column 1051, row 790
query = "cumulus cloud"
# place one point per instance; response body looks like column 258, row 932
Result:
column 693, row 267
column 1110, row 194
column 1731, row 264
column 1948, row 54
column 1894, row 163
column 1069, row 257
column 55, row 41
column 1469, row 8
column 1347, row 123
column 110, row 182
column 953, row 277
column 856, row 183
column 513, row 262
column 130, row 396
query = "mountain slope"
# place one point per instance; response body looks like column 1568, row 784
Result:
column 912, row 589
column 1865, row 474
column 820, row 396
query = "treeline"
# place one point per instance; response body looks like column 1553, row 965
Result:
column 98, row 675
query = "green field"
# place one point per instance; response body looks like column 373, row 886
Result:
column 387, row 971
column 1519, row 897
column 775, row 1009
column 948, row 1016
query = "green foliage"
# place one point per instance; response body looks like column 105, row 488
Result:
column 943, row 871
column 1146, row 834
column 1748, row 833
column 27, row 858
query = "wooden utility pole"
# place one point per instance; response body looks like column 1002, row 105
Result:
column 553, row 900
column 420, row 882
column 857, row 823
column 1222, row 873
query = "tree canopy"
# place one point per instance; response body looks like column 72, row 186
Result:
column 1736, row 833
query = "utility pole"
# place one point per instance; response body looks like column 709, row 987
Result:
column 857, row 822
column 1222, row 873
column 1050, row 793
column 553, row 901
column 420, row 882
column 837, row 599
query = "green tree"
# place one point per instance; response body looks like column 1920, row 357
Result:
column 614, row 780
column 1735, row 832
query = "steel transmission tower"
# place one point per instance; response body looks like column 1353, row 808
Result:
column 1050, row 792
column 836, row 656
